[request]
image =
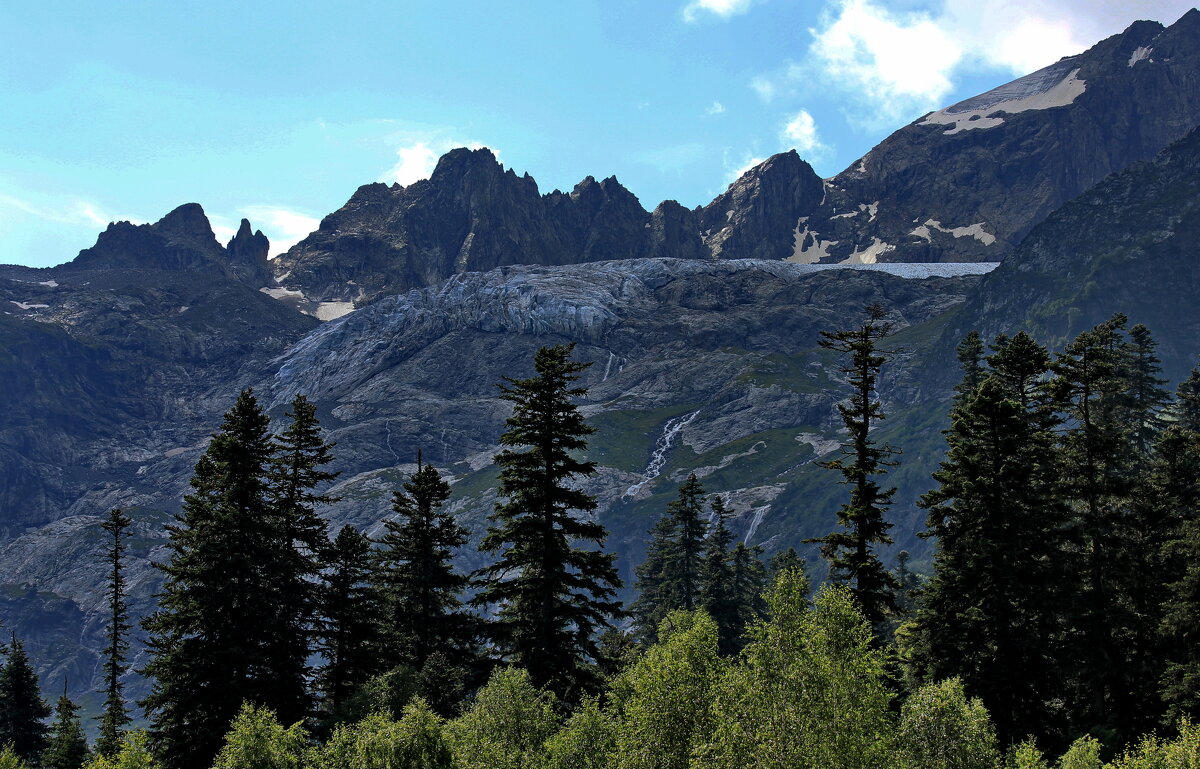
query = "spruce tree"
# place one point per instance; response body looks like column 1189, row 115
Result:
column 783, row 561
column 748, row 586
column 1187, row 404
column 213, row 640
column 970, row 358
column 349, row 638
column 653, row 602
column 681, row 572
column 22, row 709
column 717, row 580
column 421, row 588
column 990, row 607
column 296, row 476
column 1145, row 394
column 552, row 595
column 68, row 748
column 1107, row 682
column 851, row 552
column 115, row 716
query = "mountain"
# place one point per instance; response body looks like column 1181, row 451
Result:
column 116, row 367
column 965, row 183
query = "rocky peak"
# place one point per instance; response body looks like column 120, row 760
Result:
column 247, row 252
column 187, row 224
column 181, row 240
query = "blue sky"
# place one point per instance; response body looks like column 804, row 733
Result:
column 277, row 111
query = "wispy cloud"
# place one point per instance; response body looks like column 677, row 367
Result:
column 79, row 213
column 674, row 158
column 722, row 9
column 736, row 165
column 801, row 132
column 284, row 227
column 716, row 108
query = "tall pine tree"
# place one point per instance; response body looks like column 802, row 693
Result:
column 654, row 600
column 22, row 709
column 851, row 552
column 717, row 596
column 351, row 612
column 552, row 594
column 421, row 589
column 296, row 475
column 214, row 639
column 115, row 716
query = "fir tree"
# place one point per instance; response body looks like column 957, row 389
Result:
column 115, row 716
column 682, row 569
column 68, row 748
column 749, row 583
column 213, row 640
column 716, row 580
column 350, row 607
column 990, row 607
column 851, row 553
column 1187, row 406
column 553, row 596
column 783, row 561
column 22, row 709
column 970, row 358
column 908, row 584
column 1145, row 391
column 653, row 601
column 1021, row 364
column 296, row 473
column 1099, row 460
column 420, row 586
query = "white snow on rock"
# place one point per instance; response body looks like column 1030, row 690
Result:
column 332, row 310
column 49, row 283
column 1047, row 88
column 869, row 255
column 1141, row 54
column 25, row 306
column 976, row 231
column 815, row 252
column 282, row 293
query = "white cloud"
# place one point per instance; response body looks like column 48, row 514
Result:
column 716, row 109
column 80, row 213
column 801, row 132
column 694, row 10
column 417, row 160
column 897, row 64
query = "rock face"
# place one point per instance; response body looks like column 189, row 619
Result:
column 968, row 182
column 959, row 185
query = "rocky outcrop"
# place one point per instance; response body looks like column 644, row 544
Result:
column 968, row 183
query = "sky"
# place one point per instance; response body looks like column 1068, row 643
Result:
column 278, row 111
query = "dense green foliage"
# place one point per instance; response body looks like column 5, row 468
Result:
column 22, row 708
column 68, row 747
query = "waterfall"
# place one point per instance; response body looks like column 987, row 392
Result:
column 658, row 457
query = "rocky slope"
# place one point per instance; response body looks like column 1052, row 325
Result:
column 962, row 184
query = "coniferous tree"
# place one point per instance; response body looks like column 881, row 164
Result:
column 68, row 748
column 682, row 570
column 420, row 586
column 653, row 601
column 1187, row 408
column 1145, row 391
column 296, row 473
column 748, row 586
column 784, row 560
column 351, row 611
column 970, row 357
column 717, row 578
column 908, row 584
column 22, row 708
column 990, row 607
column 553, row 595
column 115, row 716
column 851, row 552
column 214, row 639
column 1098, row 475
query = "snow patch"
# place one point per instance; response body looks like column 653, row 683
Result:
column 1044, row 89
column 845, row 216
column 1141, row 54
column 332, row 310
column 816, row 252
column 183, row 309
column 25, row 306
column 821, row 445
column 282, row 293
column 871, row 254
column 976, row 231
column 49, row 283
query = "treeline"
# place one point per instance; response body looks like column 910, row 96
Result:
column 1062, row 614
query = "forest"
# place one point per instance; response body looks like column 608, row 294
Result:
column 1058, row 625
